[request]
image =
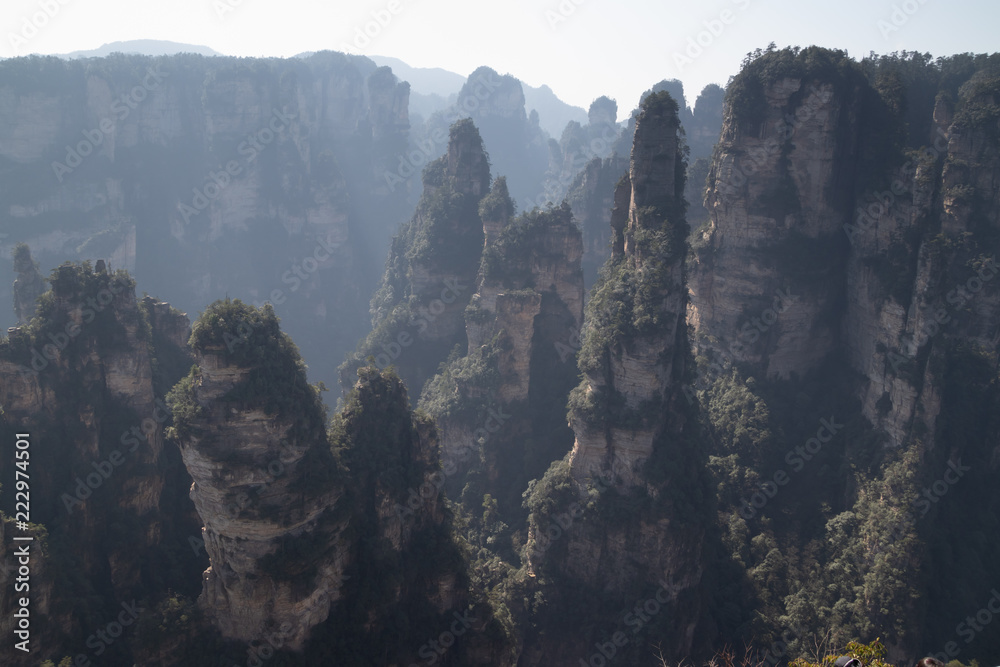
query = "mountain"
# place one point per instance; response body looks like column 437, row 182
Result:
column 146, row 47
column 204, row 177
column 553, row 113
column 425, row 80
column 776, row 428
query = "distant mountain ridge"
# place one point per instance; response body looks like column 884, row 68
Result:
column 433, row 86
column 146, row 47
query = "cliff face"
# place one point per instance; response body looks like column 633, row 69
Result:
column 28, row 287
column 262, row 484
column 514, row 141
column 417, row 314
column 79, row 378
column 528, row 302
column 591, row 196
column 852, row 231
column 638, row 369
column 802, row 260
column 775, row 244
column 634, row 447
column 202, row 177
column 314, row 535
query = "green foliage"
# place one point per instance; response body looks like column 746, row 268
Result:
column 546, row 497
column 508, row 261
column 80, row 305
column 497, row 205
column 626, row 303
column 870, row 655
column 376, row 437
column 184, row 406
column 172, row 617
column 456, row 390
column 739, row 418
column 746, row 101
column 979, row 105
column 251, row 338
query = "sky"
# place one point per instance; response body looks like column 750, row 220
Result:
column 581, row 49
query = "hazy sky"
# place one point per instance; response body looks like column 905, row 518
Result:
column 581, row 48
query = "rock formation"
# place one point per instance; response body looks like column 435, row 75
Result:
column 29, row 284
column 263, row 179
column 634, row 447
column 417, row 314
column 308, row 532
column 80, row 380
column 264, row 479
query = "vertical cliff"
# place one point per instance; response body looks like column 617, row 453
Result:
column 780, row 190
column 81, row 379
column 29, row 284
column 497, row 407
column 265, row 485
column 264, row 179
column 313, row 535
column 848, row 262
column 613, row 523
column 417, row 314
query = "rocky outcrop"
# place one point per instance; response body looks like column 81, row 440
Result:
column 778, row 198
column 418, row 313
column 29, row 285
column 638, row 368
column 801, row 260
column 591, row 196
column 513, row 140
column 528, row 302
column 324, row 549
column 80, row 381
column 262, row 478
column 262, row 179
column 628, row 418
